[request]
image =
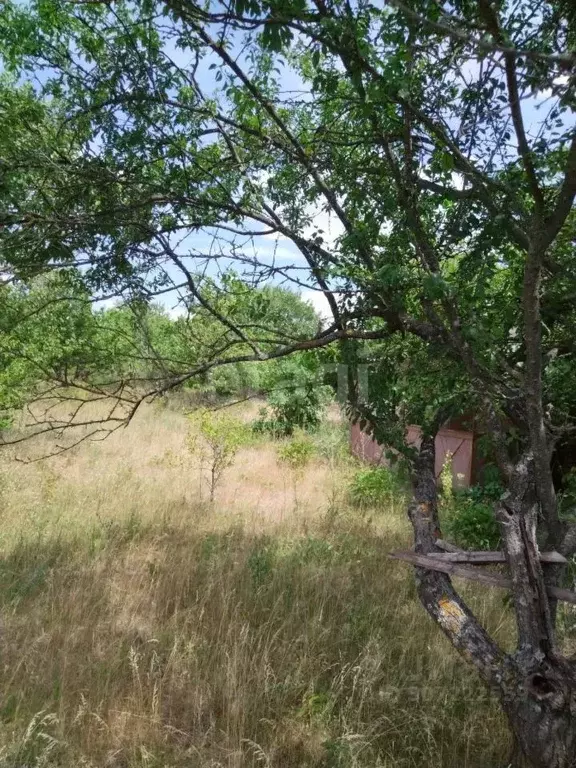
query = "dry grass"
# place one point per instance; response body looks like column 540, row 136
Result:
column 141, row 627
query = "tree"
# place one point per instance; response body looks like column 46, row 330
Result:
column 215, row 438
column 439, row 137
column 59, row 349
column 47, row 331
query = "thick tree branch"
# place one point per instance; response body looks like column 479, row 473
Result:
column 540, row 441
column 435, row 589
column 491, row 18
column 564, row 202
column 517, row 513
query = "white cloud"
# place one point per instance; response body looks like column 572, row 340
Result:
column 328, row 225
column 547, row 93
column 318, row 300
column 176, row 311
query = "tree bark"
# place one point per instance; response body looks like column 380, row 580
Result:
column 540, row 442
column 536, row 685
column 435, row 589
column 542, row 717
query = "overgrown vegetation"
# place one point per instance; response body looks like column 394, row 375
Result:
column 51, row 333
column 298, row 401
column 468, row 513
column 148, row 147
column 471, row 524
column 297, row 452
column 215, row 437
column 139, row 631
column 470, row 520
column 375, row 487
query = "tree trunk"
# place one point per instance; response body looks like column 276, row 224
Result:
column 542, row 717
column 539, row 695
column 536, row 685
column 517, row 758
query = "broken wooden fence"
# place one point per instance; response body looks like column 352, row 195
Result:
column 449, row 562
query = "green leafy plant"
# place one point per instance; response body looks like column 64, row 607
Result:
column 297, row 452
column 374, row 486
column 472, row 524
column 485, row 492
column 299, row 406
column 215, row 437
column 469, row 515
column 297, row 398
column 266, row 424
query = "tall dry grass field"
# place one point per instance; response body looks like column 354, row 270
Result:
column 141, row 626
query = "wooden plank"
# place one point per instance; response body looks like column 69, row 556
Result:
column 473, row 574
column 456, row 555
column 426, row 561
column 481, row 558
column 447, row 546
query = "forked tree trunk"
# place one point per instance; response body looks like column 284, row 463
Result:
column 540, row 699
column 542, row 716
column 536, row 685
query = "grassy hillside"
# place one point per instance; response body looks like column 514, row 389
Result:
column 141, row 626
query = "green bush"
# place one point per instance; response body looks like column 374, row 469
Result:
column 215, row 437
column 470, row 518
column 301, row 406
column 235, row 380
column 297, row 401
column 266, row 424
column 374, row 486
column 473, row 525
column 297, row 452
column 468, row 515
column 486, row 493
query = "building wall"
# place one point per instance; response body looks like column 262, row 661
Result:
column 458, row 442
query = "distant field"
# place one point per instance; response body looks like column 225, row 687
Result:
column 141, row 626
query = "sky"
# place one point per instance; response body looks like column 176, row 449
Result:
column 279, row 250
column 273, row 250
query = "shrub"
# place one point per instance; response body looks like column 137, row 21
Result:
column 374, row 486
column 300, row 406
column 332, row 442
column 485, row 493
column 472, row 524
column 470, row 518
column 268, row 425
column 216, row 437
column 234, row 380
column 297, row 452
column 469, row 514
column 297, row 402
